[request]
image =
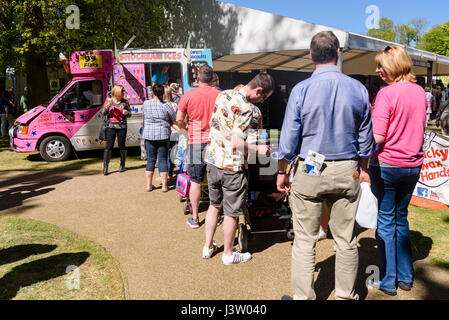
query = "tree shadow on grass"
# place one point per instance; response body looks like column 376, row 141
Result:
column 421, row 247
column 40, row 270
column 21, row 252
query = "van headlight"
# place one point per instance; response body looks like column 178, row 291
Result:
column 23, row 130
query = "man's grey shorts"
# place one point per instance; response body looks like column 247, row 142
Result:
column 227, row 189
column 196, row 167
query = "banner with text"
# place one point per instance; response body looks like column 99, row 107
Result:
column 433, row 183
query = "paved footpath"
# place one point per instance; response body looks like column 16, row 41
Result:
column 160, row 256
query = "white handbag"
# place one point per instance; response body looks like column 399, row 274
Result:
column 367, row 210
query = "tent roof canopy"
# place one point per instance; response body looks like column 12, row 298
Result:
column 281, row 43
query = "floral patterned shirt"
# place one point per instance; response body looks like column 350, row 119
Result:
column 253, row 133
column 232, row 115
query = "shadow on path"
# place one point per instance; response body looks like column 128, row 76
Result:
column 368, row 256
column 29, row 185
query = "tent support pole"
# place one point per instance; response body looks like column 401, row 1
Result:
column 340, row 60
column 430, row 74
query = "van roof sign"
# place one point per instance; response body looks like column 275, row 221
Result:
column 151, row 56
column 86, row 62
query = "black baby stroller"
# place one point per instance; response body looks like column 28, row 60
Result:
column 266, row 210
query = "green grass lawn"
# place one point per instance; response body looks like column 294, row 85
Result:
column 86, row 160
column 430, row 233
column 38, row 260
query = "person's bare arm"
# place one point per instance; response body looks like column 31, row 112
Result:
column 240, row 144
column 363, row 170
column 180, row 116
column 379, row 139
column 282, row 180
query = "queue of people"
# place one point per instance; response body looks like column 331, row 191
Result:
column 347, row 140
column 329, row 115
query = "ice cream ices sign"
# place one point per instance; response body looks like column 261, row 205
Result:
column 91, row 61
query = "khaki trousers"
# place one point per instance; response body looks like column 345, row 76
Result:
column 338, row 186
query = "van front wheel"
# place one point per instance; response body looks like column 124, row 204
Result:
column 55, row 148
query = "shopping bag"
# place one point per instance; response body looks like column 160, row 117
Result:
column 367, row 210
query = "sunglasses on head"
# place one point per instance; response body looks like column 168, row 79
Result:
column 387, row 48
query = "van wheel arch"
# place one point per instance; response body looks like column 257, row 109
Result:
column 54, row 147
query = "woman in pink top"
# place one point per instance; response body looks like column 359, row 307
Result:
column 399, row 119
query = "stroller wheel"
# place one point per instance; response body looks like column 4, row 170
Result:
column 243, row 237
column 290, row 234
column 186, row 208
column 220, row 218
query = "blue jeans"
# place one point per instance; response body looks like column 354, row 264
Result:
column 393, row 188
column 157, row 149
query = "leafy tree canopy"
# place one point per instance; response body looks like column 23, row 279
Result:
column 436, row 39
column 386, row 30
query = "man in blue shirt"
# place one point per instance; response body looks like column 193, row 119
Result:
column 161, row 76
column 329, row 115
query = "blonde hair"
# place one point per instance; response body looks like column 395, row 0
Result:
column 116, row 91
column 174, row 86
column 238, row 87
column 396, row 63
column 167, row 94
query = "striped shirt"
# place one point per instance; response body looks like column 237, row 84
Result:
column 157, row 119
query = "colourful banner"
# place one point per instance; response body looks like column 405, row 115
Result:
column 433, row 183
column 132, row 78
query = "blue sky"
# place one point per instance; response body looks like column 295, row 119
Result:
column 350, row 15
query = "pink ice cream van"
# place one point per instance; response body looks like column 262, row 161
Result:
column 72, row 118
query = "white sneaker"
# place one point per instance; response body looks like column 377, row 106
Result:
column 236, row 257
column 321, row 235
column 208, row 252
column 335, row 247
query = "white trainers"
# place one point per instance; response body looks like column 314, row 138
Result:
column 208, row 252
column 321, row 235
column 235, row 258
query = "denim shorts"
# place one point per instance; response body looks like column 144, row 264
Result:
column 196, row 167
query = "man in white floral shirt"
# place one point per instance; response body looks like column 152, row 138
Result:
column 225, row 158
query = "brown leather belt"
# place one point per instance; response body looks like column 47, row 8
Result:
column 353, row 159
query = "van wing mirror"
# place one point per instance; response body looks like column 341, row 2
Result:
column 58, row 106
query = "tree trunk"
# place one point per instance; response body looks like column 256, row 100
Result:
column 37, row 78
column 35, row 56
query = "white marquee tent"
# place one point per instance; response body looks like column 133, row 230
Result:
column 266, row 41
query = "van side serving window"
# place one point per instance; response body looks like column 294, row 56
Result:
column 194, row 67
column 83, row 95
column 154, row 73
